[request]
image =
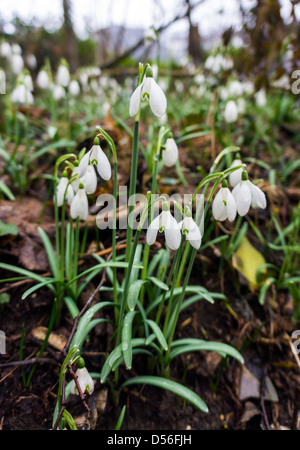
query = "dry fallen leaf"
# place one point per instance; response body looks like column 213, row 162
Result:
column 247, row 260
column 56, row 340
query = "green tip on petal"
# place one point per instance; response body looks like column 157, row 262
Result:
column 80, row 363
column 81, row 186
column 165, row 206
column 149, row 72
column 224, row 184
column 244, row 175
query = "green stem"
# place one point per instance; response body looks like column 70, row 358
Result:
column 133, row 179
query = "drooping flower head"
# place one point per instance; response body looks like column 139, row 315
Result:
column 64, row 190
column 191, row 230
column 79, row 206
column 95, row 156
column 170, row 152
column 246, row 194
column 84, row 379
column 224, row 205
column 148, row 92
column 167, row 224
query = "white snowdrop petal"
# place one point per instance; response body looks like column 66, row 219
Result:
column 230, row 207
column 157, row 100
column 90, row 180
column 79, row 206
column 135, row 98
column 83, row 165
column 258, row 197
column 243, row 198
column 194, row 234
column 236, row 176
column 103, row 166
column 153, row 230
column 170, row 153
column 218, row 207
column 61, row 188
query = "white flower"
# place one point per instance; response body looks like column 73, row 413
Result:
column 236, row 176
column 17, row 63
column 5, row 50
column 58, row 92
column 150, row 91
column 31, row 61
column 170, row 153
column 61, row 189
column 85, row 381
column 231, row 112
column 95, row 156
column 246, row 194
column 166, row 223
column 63, row 75
column 224, row 206
column 42, row 79
column 89, row 180
column 74, row 88
column 191, row 231
column 261, row 98
column 21, row 94
column 79, row 206
column 235, row 88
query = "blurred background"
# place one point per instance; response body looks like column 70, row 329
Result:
column 263, row 35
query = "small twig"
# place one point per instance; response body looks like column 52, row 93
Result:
column 28, row 361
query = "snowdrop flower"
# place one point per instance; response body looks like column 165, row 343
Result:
column 61, row 191
column 231, row 112
column 21, row 94
column 261, row 98
column 25, row 78
column 246, row 194
column 74, row 88
column 170, row 152
column 85, row 382
column 224, row 206
column 191, row 231
column 58, row 92
column 63, row 74
column 149, row 36
column 236, row 176
column 16, row 49
column 166, row 223
column 150, row 91
column 42, row 79
column 235, row 88
column 31, row 61
column 89, row 180
column 5, row 50
column 17, row 63
column 95, row 156
column 79, row 206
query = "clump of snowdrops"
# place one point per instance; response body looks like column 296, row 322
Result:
column 155, row 286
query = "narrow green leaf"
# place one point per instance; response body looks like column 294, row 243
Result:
column 158, row 333
column 169, row 385
column 158, row 283
column 121, row 418
column 126, row 338
column 38, row 286
column 192, row 345
column 134, row 292
column 49, row 250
